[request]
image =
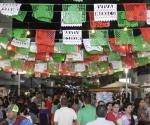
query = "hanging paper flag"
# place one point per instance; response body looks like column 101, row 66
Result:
column 23, row 51
column 9, row 9
column 105, row 12
column 3, row 53
column 123, row 37
column 66, row 68
column 99, row 38
column 78, row 56
column 114, row 56
column 4, row 42
column 136, row 11
column 146, row 34
column 121, row 49
column 5, row 63
column 62, row 48
column 89, row 47
column 57, row 57
column 117, row 65
column 142, row 61
column 40, row 67
column 43, row 12
column 21, row 56
column 45, row 49
column 72, row 37
column 103, row 58
column 148, row 17
column 79, row 67
column 40, row 56
column 21, row 42
column 33, row 47
column 129, row 61
column 123, row 22
column 29, row 66
column 17, row 64
column 77, row 8
column 97, row 24
column 19, row 33
column 45, row 37
column 53, row 68
column 71, row 18
column 143, row 54
column 21, row 16
column 31, row 56
column 102, row 66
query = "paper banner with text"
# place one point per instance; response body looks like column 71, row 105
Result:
column 78, row 56
column 72, row 37
column 40, row 67
column 105, row 12
column 9, row 9
column 21, row 42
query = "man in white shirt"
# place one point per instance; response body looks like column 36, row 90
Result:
column 65, row 115
column 101, row 113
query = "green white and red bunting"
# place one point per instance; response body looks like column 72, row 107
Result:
column 88, row 47
column 21, row 42
column 73, row 57
column 72, row 37
column 105, row 12
column 33, row 47
column 40, row 67
column 9, row 9
column 117, row 65
column 144, row 54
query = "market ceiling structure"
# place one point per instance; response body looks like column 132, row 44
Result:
column 99, row 47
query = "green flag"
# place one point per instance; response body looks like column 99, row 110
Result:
column 4, row 41
column 19, row 33
column 99, row 38
column 43, row 12
column 123, row 37
column 114, row 56
column 75, row 8
column 23, row 51
column 123, row 22
column 142, row 61
column 103, row 66
column 21, row 16
column 57, row 57
column 17, row 64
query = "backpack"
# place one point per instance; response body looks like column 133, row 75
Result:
column 19, row 119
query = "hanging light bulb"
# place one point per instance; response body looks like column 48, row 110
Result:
column 9, row 48
column 28, row 32
column 125, row 28
column 93, row 31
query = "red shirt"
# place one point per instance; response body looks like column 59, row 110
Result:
column 49, row 104
column 111, row 117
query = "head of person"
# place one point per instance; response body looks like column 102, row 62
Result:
column 109, row 106
column 101, row 111
column 43, row 103
column 12, row 111
column 4, row 122
column 24, row 111
column 128, row 108
column 49, row 98
column 141, row 103
column 115, row 107
column 87, row 100
column 64, row 102
column 101, row 103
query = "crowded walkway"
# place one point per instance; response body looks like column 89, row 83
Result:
column 70, row 109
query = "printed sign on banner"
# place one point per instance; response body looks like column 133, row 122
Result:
column 21, row 42
column 89, row 47
column 40, row 67
column 105, row 12
column 72, row 37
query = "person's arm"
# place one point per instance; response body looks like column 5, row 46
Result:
column 56, row 118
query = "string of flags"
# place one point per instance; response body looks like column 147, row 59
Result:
column 75, row 55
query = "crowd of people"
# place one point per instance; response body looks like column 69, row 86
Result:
column 72, row 109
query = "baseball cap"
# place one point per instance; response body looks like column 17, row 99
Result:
column 13, row 108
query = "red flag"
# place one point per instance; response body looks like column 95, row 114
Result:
column 41, row 56
column 45, row 49
column 45, row 37
column 28, row 65
column 121, row 49
column 146, row 34
column 135, row 11
column 97, row 24
column 129, row 61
